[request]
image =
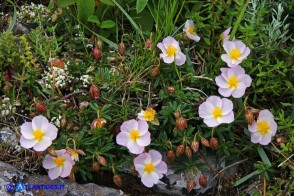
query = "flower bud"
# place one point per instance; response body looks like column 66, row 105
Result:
column 154, row 71
column 194, row 145
column 180, row 150
column 171, row 89
column 7, row 76
column 94, row 91
column 40, row 107
column 121, row 48
column 170, row 156
column 213, row 142
column 117, row 180
column 63, row 121
column 177, row 114
column 188, row 152
column 102, row 161
column 98, row 123
column 148, row 44
column 280, row 140
column 95, row 166
column 205, row 142
column 181, row 123
column 191, row 184
column 96, row 53
column 58, row 63
column 203, row 181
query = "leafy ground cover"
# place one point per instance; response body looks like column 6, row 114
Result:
column 108, row 90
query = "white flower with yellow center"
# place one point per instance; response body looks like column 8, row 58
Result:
column 150, row 167
column 189, row 29
column 233, row 81
column 264, row 128
column 148, row 114
column 134, row 135
column 37, row 134
column 236, row 52
column 171, row 51
column 215, row 111
column 61, row 165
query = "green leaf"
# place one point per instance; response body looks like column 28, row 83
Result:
column 245, row 178
column 140, row 5
column 107, row 24
column 144, row 20
column 65, row 3
column 94, row 19
column 263, row 156
column 11, row 25
column 85, row 9
column 108, row 2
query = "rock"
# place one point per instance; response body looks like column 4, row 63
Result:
column 10, row 178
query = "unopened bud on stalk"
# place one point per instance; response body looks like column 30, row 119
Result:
column 96, row 53
column 181, row 123
column 188, row 152
column 213, row 142
column 94, row 91
column 170, row 156
column 205, row 142
column 117, row 180
column 121, row 48
column 180, row 150
column 191, row 184
column 194, row 145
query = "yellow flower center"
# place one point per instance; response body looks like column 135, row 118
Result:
column 263, row 127
column 233, row 82
column 149, row 168
column 191, row 30
column 59, row 161
column 217, row 112
column 38, row 135
column 235, row 54
column 134, row 135
column 171, row 50
column 149, row 114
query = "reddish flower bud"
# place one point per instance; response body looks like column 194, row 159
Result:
column 181, row 124
column 180, row 150
column 58, row 63
column 94, row 91
column 203, row 181
column 95, row 166
column 171, row 89
column 117, row 180
column 188, row 152
column 96, row 53
column 177, row 114
column 7, row 76
column 98, row 123
column 121, row 48
column 102, row 161
column 205, row 142
column 148, row 44
column 40, row 107
column 213, row 142
column 194, row 145
column 170, row 156
column 191, row 184
column 154, row 71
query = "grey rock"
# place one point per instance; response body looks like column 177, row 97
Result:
column 12, row 176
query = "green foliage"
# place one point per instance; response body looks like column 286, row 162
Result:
column 9, row 51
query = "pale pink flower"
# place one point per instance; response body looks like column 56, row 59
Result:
column 134, row 135
column 189, row 29
column 150, row 167
column 226, row 35
column 58, row 166
column 37, row 134
column 171, row 51
column 215, row 111
column 236, row 52
column 264, row 129
column 233, row 81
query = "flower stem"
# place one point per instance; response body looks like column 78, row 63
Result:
column 178, row 73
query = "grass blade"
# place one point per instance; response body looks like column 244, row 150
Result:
column 11, row 25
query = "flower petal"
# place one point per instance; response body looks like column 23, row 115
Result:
column 180, row 58
column 38, row 121
column 143, row 127
column 142, row 159
column 205, row 110
column 240, row 45
column 215, row 101
column 48, row 162
column 149, row 179
column 129, row 125
column 27, row 130
column 144, row 140
column 228, row 118
column 221, row 82
column 168, row 59
column 123, row 138
column 228, row 46
column 161, row 168
column 50, row 131
column 252, row 128
column 43, row 144
column 266, row 139
column 255, row 137
column 240, row 91
column 60, row 153
column 245, row 54
column 246, row 80
column 66, row 169
column 161, row 47
column 155, row 157
column 226, row 92
column 227, row 106
column 211, row 122
column 135, row 148
column 54, row 172
column 27, row 143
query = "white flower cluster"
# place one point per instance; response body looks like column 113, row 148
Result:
column 5, row 107
column 61, row 75
column 86, row 80
column 30, row 13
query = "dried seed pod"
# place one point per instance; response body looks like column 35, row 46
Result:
column 191, row 184
column 188, row 152
column 40, row 107
column 95, row 166
column 171, row 89
column 117, row 180
column 96, row 53
column 213, row 142
column 102, row 161
column 63, row 121
column 52, row 152
column 121, row 48
column 54, row 17
column 250, row 114
column 205, row 142
column 194, row 145
column 148, row 44
column 94, row 91
column 180, row 150
column 170, row 156
column 98, row 123
column 154, row 71
column 203, row 181
column 177, row 114
column 181, row 123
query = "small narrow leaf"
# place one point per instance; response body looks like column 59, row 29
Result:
column 107, row 24
column 263, row 156
column 245, row 178
column 140, row 5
